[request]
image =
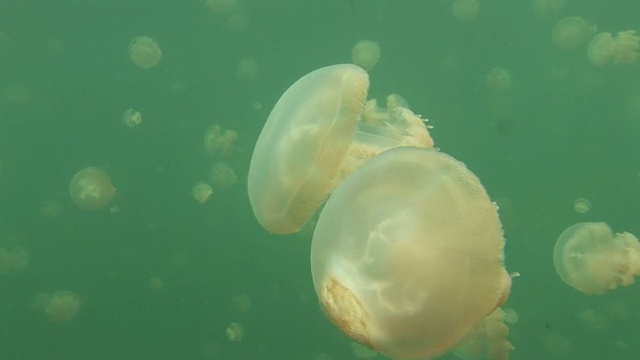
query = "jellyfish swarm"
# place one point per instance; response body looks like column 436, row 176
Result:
column 406, row 257
column 604, row 48
column 591, row 259
column 91, row 188
column 314, row 137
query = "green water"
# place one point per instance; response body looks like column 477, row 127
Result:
column 565, row 129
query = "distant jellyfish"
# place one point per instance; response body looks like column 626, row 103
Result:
column 51, row 208
column 365, row 53
column 219, row 142
column 605, row 49
column 235, row 332
column 592, row 259
column 465, row 10
column 571, row 32
column 488, row 340
column 315, row 136
column 145, row 52
column 201, row 191
column 556, row 344
column 582, row 205
column 406, row 257
column 498, row 78
column 222, row 7
column 156, row 283
column 222, row 176
column 13, row 259
column 62, row 306
column 593, row 319
column 547, row 9
column 511, row 316
column 241, row 303
column 91, row 188
column 132, row 118
column 247, row 70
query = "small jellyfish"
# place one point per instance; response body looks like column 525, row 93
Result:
column 235, row 332
column 222, row 176
column 365, row 53
column 132, row 118
column 465, row 10
column 156, row 283
column 604, row 48
column 220, row 142
column 571, row 32
column 145, row 52
column 582, row 205
column 314, row 137
column 201, row 191
column 591, row 259
column 547, row 9
column 62, row 306
column 247, row 70
column 13, row 259
column 498, row 79
column 488, row 340
column 511, row 316
column 91, row 188
column 593, row 319
column 241, row 303
column 407, row 254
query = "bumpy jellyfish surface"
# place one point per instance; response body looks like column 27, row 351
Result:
column 488, row 340
column 407, row 255
column 313, row 138
column 592, row 259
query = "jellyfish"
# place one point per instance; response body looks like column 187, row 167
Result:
column 488, row 340
column 313, row 138
column 201, row 191
column 407, row 254
column 604, row 48
column 465, row 10
column 235, row 332
column 222, row 176
column 220, row 142
column 498, row 78
column 365, row 53
column 241, row 303
column 592, row 259
column 582, row 205
column 247, row 69
column 132, row 118
column 571, row 32
column 91, row 188
column 145, row 52
column 62, row 306
column 546, row 9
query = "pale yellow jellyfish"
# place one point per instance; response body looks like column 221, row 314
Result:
column 488, row 340
column 407, row 254
column 510, row 316
column 62, row 306
column 582, row 205
column 13, row 259
column 201, row 191
column 314, row 138
column 571, row 32
column 605, row 49
column 241, row 303
column 218, row 142
column 591, row 259
column 235, row 332
column 498, row 78
column 465, row 10
column 222, row 176
column 132, row 118
column 247, row 70
column 145, row 52
column 91, row 188
column 365, row 53
column 547, row 9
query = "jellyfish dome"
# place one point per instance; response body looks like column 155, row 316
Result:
column 407, row 254
column 313, row 138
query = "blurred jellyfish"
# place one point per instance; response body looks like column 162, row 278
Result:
column 396, row 101
column 91, row 188
column 571, row 32
column 235, row 332
column 241, row 303
column 593, row 319
column 407, row 254
column 361, row 351
column 247, row 69
column 547, row 9
column 201, row 191
column 465, row 10
column 219, row 142
column 591, row 259
column 51, row 208
column 132, row 118
column 62, row 306
column 222, row 7
column 365, row 53
column 582, row 205
column 556, row 344
column 511, row 316
column 488, row 340
column 498, row 79
column 604, row 48
column 13, row 259
column 145, row 52
column 156, row 283
column 222, row 176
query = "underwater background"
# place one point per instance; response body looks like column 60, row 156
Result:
column 159, row 275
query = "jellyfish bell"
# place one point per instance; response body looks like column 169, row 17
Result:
column 145, row 52
column 622, row 48
column 592, row 259
column 465, row 10
column 91, row 188
column 313, row 138
column 62, row 306
column 366, row 54
column 571, row 32
column 406, row 257
column 132, row 118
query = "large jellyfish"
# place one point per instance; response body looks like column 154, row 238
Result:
column 314, row 138
column 591, row 259
column 605, row 48
column 407, row 255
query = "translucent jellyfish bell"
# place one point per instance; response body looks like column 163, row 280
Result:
column 313, row 139
column 407, row 254
column 591, row 259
